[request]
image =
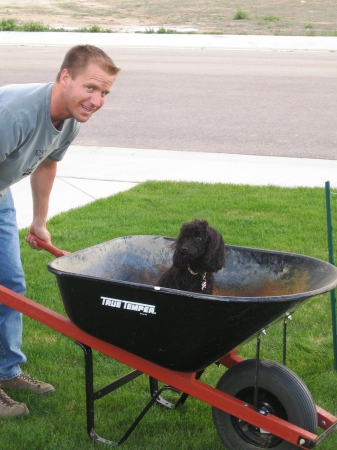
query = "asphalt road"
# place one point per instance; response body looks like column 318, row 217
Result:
column 268, row 103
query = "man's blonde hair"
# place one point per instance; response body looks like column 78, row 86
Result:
column 78, row 58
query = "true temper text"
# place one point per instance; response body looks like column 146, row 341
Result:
column 142, row 308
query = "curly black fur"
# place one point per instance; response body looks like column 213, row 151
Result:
column 200, row 248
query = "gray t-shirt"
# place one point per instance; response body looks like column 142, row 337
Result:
column 27, row 135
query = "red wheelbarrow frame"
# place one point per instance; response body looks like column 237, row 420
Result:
column 185, row 382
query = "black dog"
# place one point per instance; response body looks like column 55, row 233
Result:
column 199, row 250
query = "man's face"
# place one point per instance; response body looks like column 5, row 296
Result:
column 86, row 93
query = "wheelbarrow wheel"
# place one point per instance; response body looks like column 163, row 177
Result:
column 280, row 392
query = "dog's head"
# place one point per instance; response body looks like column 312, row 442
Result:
column 199, row 245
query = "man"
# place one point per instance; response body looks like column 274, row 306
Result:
column 38, row 122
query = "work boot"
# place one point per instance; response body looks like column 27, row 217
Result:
column 10, row 408
column 24, row 382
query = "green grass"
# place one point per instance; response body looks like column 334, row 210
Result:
column 271, row 19
column 93, row 29
column 14, row 25
column 160, row 30
column 241, row 15
column 292, row 220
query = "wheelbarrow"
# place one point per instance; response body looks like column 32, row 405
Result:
column 114, row 306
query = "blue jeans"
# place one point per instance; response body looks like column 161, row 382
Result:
column 12, row 277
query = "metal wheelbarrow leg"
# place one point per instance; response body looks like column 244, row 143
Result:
column 92, row 396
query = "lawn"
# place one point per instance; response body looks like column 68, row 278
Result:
column 291, row 220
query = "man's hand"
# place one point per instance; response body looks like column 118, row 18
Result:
column 40, row 232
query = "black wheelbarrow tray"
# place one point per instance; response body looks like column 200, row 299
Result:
column 114, row 306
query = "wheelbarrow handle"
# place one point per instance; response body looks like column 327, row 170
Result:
column 49, row 247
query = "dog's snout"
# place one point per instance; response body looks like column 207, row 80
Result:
column 189, row 250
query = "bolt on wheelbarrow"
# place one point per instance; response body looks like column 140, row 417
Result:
column 114, row 306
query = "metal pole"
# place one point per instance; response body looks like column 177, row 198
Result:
column 332, row 261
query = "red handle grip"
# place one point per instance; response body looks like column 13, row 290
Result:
column 49, row 247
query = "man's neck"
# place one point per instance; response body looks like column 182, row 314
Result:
column 57, row 121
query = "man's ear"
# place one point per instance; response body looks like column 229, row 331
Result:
column 64, row 77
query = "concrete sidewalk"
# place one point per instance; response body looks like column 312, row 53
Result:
column 186, row 41
column 89, row 173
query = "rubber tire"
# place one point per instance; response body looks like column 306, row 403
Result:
column 284, row 394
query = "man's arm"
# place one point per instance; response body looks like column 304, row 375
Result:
column 41, row 180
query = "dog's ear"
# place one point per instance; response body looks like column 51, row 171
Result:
column 177, row 256
column 216, row 250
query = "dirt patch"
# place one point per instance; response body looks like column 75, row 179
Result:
column 272, row 17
